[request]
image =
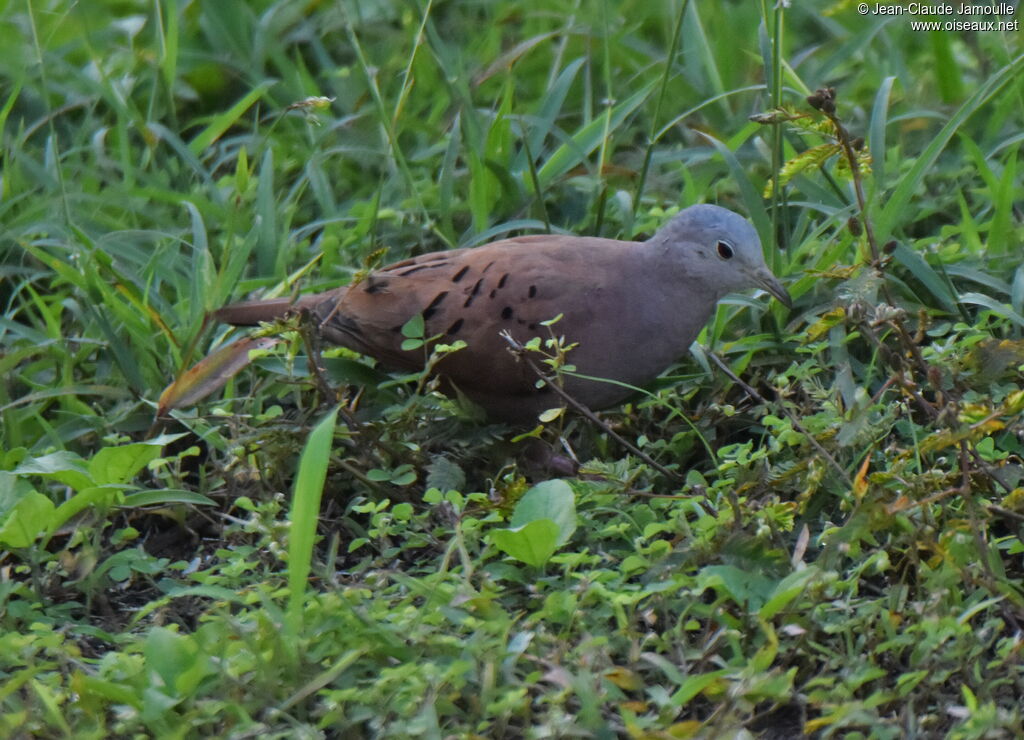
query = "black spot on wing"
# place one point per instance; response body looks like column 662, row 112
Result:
column 435, row 304
column 473, row 293
column 501, row 284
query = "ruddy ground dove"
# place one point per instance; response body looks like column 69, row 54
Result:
column 632, row 308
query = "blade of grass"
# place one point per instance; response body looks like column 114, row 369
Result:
column 9, row 103
column 587, row 139
column 407, row 78
column 1000, row 309
column 656, row 115
column 702, row 48
column 876, row 130
column 204, row 278
column 221, row 123
column 383, row 118
column 603, row 153
column 554, row 98
column 167, row 19
column 947, row 72
column 920, row 269
column 267, row 248
column 703, row 104
column 770, row 32
column 1017, row 290
column 305, row 510
column 1000, row 232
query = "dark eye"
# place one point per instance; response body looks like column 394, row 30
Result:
column 724, row 250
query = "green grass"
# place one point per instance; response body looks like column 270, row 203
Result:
column 839, row 555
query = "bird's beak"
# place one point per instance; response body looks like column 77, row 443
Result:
column 765, row 279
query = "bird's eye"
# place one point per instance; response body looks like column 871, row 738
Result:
column 724, row 250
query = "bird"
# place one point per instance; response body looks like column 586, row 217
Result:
column 628, row 309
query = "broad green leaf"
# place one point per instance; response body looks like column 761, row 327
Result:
column 92, row 688
column 30, row 516
column 532, row 543
column 552, row 499
column 118, row 465
column 63, row 466
column 414, row 327
column 177, row 659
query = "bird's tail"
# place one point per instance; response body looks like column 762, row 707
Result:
column 251, row 313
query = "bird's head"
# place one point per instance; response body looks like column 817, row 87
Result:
column 720, row 247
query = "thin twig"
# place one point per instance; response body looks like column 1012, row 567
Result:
column 520, row 351
column 310, row 333
column 1002, row 511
